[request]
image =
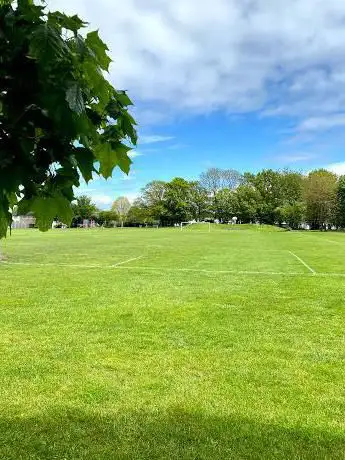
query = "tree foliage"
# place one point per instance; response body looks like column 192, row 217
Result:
column 199, row 201
column 121, row 207
column 152, row 200
column 249, row 203
column 272, row 197
column 226, row 205
column 292, row 214
column 215, row 179
column 178, row 203
column 341, row 202
column 83, row 209
column 320, row 198
column 139, row 214
column 268, row 184
column 60, row 118
column 107, row 218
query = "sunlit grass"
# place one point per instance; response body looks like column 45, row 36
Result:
column 240, row 356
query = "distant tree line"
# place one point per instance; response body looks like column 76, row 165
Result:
column 268, row 197
column 85, row 210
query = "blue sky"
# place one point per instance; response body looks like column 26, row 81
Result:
column 245, row 84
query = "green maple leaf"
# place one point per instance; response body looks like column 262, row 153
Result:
column 110, row 155
column 46, row 44
column 85, row 159
column 74, row 97
column 99, row 49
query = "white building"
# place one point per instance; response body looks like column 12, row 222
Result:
column 23, row 222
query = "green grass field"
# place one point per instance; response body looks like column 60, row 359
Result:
column 167, row 344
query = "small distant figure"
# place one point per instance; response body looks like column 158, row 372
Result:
column 234, row 220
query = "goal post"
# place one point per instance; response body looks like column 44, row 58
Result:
column 183, row 225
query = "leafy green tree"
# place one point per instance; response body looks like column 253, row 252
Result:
column 216, row 179
column 341, row 202
column 153, row 197
column 249, row 202
column 292, row 185
column 174, row 201
column 106, row 218
column 226, row 205
column 199, row 201
column 82, row 209
column 60, row 118
column 177, row 200
column 140, row 214
column 320, row 197
column 121, row 207
column 293, row 214
column 268, row 184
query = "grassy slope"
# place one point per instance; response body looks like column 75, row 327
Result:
column 101, row 363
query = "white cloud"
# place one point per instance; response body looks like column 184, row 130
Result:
column 101, row 200
column 153, row 139
column 297, row 157
column 135, row 154
column 322, row 123
column 187, row 56
column 84, row 190
column 128, row 177
column 132, row 196
column 337, row 168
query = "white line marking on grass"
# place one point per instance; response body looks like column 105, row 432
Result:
column 120, row 266
column 162, row 269
column 127, row 261
column 304, row 263
column 54, row 264
column 63, row 254
column 203, row 270
column 330, row 241
column 321, row 238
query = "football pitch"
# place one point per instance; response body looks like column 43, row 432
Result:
column 168, row 344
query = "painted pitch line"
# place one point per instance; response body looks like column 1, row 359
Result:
column 330, row 241
column 54, row 264
column 127, row 261
column 64, row 254
column 120, row 266
column 202, row 270
column 195, row 270
column 304, row 263
column 321, row 238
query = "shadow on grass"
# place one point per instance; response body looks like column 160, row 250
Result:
column 177, row 435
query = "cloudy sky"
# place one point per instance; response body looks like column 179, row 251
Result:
column 242, row 84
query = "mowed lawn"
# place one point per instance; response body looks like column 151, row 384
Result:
column 167, row 344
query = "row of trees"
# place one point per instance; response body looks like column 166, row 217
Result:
column 270, row 197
